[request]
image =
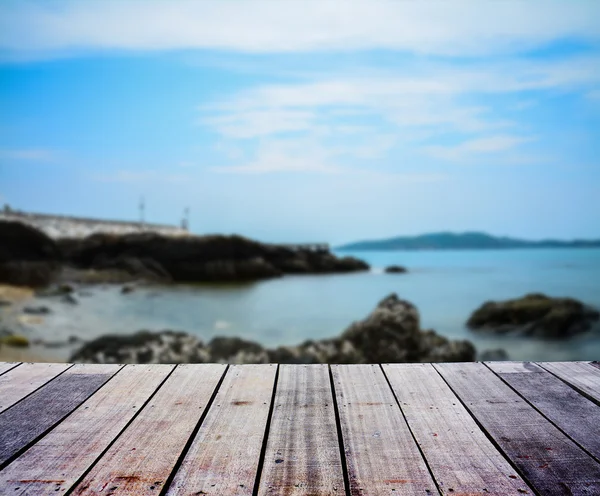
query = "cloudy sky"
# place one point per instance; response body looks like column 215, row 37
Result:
column 307, row 120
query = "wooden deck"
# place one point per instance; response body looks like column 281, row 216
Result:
column 499, row 428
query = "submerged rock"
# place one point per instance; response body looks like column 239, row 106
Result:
column 535, row 314
column 70, row 299
column 395, row 269
column 391, row 333
column 41, row 310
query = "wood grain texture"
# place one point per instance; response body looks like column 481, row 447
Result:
column 582, row 376
column 461, row 457
column 19, row 382
column 6, row 366
column 224, row 455
column 55, row 463
column 43, row 409
column 302, row 455
column 142, row 458
column 574, row 414
column 381, row 454
column 547, row 458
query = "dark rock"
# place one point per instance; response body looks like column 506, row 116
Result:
column 36, row 310
column 96, row 276
column 391, row 333
column 127, row 289
column 236, row 350
column 27, row 256
column 395, row 269
column 496, row 355
column 143, row 347
column 5, row 303
column 138, row 268
column 200, row 258
column 535, row 314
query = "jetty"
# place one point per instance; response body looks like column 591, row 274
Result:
column 66, row 226
column 494, row 428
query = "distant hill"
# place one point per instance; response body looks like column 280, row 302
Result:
column 462, row 241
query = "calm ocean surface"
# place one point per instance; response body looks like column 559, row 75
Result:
column 446, row 287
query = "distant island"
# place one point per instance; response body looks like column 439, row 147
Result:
column 462, row 241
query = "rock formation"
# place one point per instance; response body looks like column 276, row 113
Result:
column 391, row 333
column 27, row 256
column 30, row 258
column 535, row 314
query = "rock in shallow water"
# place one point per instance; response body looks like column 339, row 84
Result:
column 37, row 310
column 535, row 314
column 395, row 269
column 391, row 333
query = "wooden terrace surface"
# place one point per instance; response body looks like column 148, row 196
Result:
column 499, row 428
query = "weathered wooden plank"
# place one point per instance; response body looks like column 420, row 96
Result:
column 22, row 381
column 302, row 454
column 461, row 457
column 547, row 458
column 381, row 454
column 6, row 366
column 32, row 417
column 574, row 414
column 142, row 458
column 224, row 456
column 582, row 376
column 55, row 463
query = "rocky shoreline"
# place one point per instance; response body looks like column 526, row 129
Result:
column 30, row 258
column 64, row 271
column 391, row 333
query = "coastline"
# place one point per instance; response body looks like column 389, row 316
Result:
column 17, row 296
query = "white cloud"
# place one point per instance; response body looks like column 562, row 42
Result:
column 477, row 147
column 422, row 96
column 410, row 106
column 293, row 155
column 260, row 122
column 460, row 27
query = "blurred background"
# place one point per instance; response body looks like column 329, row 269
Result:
column 236, row 178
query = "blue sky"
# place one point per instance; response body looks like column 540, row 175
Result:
column 296, row 121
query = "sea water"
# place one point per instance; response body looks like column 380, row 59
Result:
column 446, row 286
